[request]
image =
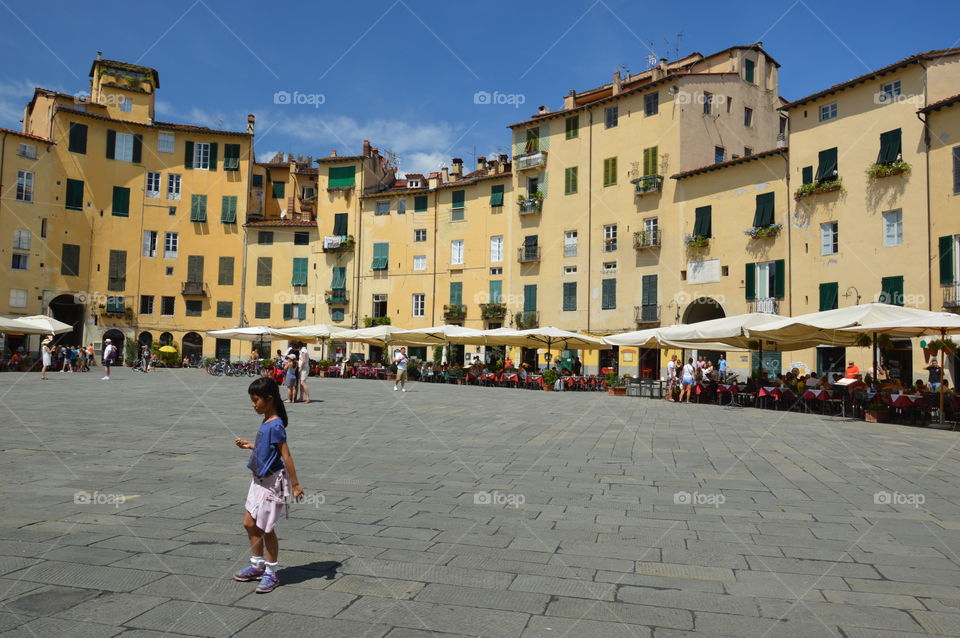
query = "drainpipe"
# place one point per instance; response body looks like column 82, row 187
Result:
column 433, row 278
column 589, row 212
column 786, row 161
column 926, row 154
column 357, row 260
column 143, row 210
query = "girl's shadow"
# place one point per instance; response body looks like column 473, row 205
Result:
column 321, row 569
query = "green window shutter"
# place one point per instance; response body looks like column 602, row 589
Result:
column 496, row 291
column 569, row 295
column 458, row 198
column 336, row 314
column 301, row 311
column 74, row 198
column 827, row 165
column 956, row 170
column 198, row 208
column 703, row 226
column 533, row 140
column 807, row 172
column 648, row 296
column 892, row 288
column 570, row 180
column 748, row 70
column 456, row 292
column 608, row 297
column 264, row 271
column 231, row 157
column 420, row 204
column 610, row 171
column 750, row 282
column 224, row 309
column 117, row 270
column 225, row 274
column 228, row 209
column 78, row 138
column 650, row 160
column 573, row 127
column 381, row 255
column 763, row 216
column 779, row 278
column 339, row 281
column 496, row 195
column 279, row 190
column 188, row 155
column 213, row 156
column 137, row 155
column 262, row 311
column 195, row 269
column 530, row 298
column 70, row 262
column 890, row 147
column 111, row 144
column 947, row 276
column 829, row 295
column 288, row 311
column 121, row 201
column 342, row 176
column 340, row 224
column 299, row 271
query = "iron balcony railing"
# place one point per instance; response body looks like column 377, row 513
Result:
column 194, row 289
column 647, row 314
column 529, row 161
column 646, row 239
column 648, row 184
column 769, row 305
column 527, row 254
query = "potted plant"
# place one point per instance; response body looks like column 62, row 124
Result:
column 876, row 412
column 897, row 167
column 550, row 377
column 615, row 385
column 697, row 241
column 947, row 345
column 756, row 232
column 323, row 365
column 814, row 188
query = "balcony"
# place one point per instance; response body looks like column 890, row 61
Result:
column 458, row 214
column 528, row 254
column 647, row 184
column 529, row 161
column 770, row 305
column 493, row 311
column 530, row 205
column 337, row 243
column 335, row 296
column 610, row 245
column 526, row 319
column 454, row 312
column 643, row 239
column 194, row 289
column 647, row 315
column 951, row 296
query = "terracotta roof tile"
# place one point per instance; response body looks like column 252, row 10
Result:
column 168, row 126
column 26, row 135
column 936, row 106
column 734, row 162
column 295, row 223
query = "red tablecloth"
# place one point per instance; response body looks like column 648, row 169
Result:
column 536, row 378
column 509, row 376
column 776, row 393
column 820, row 395
column 904, row 400
column 727, row 388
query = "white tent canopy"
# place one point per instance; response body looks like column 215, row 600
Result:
column 316, row 332
column 34, row 325
column 547, row 336
column 246, row 333
column 441, row 335
column 828, row 327
column 941, row 323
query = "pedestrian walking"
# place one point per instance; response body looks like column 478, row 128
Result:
column 47, row 357
column 400, row 358
column 109, row 355
column 671, row 378
column 290, row 376
column 304, row 374
column 90, row 358
column 274, row 481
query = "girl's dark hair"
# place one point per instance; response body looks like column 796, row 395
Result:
column 266, row 387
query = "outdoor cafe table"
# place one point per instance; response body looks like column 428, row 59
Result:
column 776, row 393
column 510, row 377
column 728, row 388
column 536, row 378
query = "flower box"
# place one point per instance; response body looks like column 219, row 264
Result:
column 817, row 188
column 618, row 391
column 876, row 416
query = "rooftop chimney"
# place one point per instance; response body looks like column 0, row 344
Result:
column 570, row 100
column 444, row 175
column 542, row 110
column 333, row 153
column 457, row 169
column 433, row 180
column 251, row 120
column 99, row 55
column 616, row 84
column 481, row 162
column 366, row 148
column 503, row 158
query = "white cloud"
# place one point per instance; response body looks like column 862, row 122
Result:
column 266, row 156
column 423, row 162
column 14, row 96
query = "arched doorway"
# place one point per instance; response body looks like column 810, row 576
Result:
column 704, row 309
column 117, row 339
column 166, row 339
column 192, row 346
column 145, row 339
column 66, row 309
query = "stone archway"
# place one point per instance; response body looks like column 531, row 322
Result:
column 703, row 309
column 117, row 339
column 65, row 308
column 192, row 346
column 166, row 339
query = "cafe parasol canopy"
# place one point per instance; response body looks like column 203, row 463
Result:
column 34, row 325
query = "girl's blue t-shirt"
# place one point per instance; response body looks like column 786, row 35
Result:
column 265, row 457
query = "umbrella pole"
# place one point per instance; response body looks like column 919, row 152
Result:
column 943, row 337
column 876, row 371
column 760, row 363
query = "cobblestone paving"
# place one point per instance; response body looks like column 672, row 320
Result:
column 450, row 511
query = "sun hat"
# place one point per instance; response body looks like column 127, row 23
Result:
column 107, row 341
column 291, row 356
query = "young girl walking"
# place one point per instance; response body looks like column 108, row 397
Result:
column 273, row 477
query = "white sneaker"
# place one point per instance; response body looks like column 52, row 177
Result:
column 404, row 389
column 105, row 378
column 395, row 388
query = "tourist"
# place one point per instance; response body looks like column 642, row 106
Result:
column 109, row 355
column 920, row 388
column 722, row 367
column 91, row 360
column 46, row 356
column 400, row 358
column 936, row 375
column 65, row 355
column 577, row 367
column 304, row 374
column 687, row 380
column 671, row 377
column 274, row 481
column 290, row 376
column 852, row 371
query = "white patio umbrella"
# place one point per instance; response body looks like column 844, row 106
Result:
column 441, row 335
column 246, row 333
column 316, row 332
column 42, row 324
column 547, row 336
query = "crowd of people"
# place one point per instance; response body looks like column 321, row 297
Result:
column 290, row 370
column 62, row 358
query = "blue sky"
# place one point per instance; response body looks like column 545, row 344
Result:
column 404, row 73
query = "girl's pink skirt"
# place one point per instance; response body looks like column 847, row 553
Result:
column 267, row 499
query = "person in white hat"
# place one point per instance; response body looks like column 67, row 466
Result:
column 109, row 354
column 47, row 358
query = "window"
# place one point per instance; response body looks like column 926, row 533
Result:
column 379, row 306
column 891, row 290
column 201, row 156
column 420, row 204
column 169, row 271
column 496, row 271
column 383, row 208
column 146, row 304
column 572, row 125
column 225, row 309
column 827, row 169
column 747, row 151
column 889, row 91
column 18, row 298
column 651, row 104
column 117, row 270
column 458, row 198
column 707, row 103
column 265, row 237
column 24, row 186
column 533, row 140
column 456, row 293
column 78, row 138
column 173, row 186
column 295, row 311
column 747, row 116
column 570, row 180
column 20, row 261
column 279, row 190
column 170, row 245
column 43, row 226
column 893, row 228
column 419, row 234
column 194, row 308
column 261, row 310
column 420, row 262
column 610, row 171
column 651, row 160
column 609, row 266
column 828, row 111
column 570, row 243
column 342, row 176
column 70, row 260
column 569, row 270
column 150, row 243
column 651, row 231
column 956, row 170
column 530, row 298
column 608, row 296
column 829, row 238
column 610, row 116
column 401, row 206
column 29, row 151
column 165, row 142
column 648, row 298
column 496, row 195
column 336, row 314
column 719, row 154
column 225, row 272
column 891, row 147
column 198, row 208
column 301, row 238
column 21, row 240
column 264, row 271
column 495, row 291
column 496, row 249
column 610, row 238
column 126, row 105
column 123, row 146
column 121, row 202
column 419, row 304
column 829, row 296
column 340, row 224
column 763, row 215
column 195, row 269
column 456, row 252
column 703, row 222
column 74, row 197
column 231, row 157
column 228, row 209
column 153, row 185
column 381, row 256
column 300, row 268
column 569, row 295
column 748, row 70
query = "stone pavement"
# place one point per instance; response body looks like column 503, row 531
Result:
column 460, row 511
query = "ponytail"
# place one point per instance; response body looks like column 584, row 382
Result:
column 264, row 387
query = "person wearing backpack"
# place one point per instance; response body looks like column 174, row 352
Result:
column 109, row 355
